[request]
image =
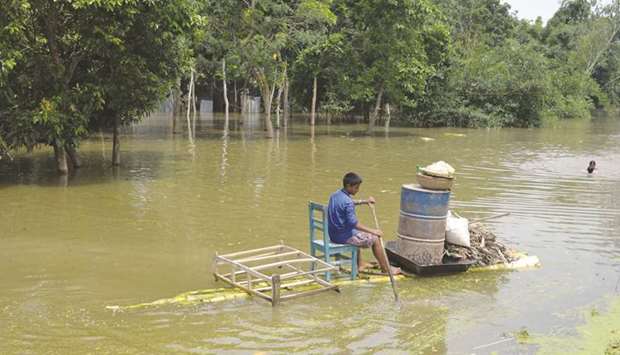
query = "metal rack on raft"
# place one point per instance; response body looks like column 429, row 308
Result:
column 272, row 272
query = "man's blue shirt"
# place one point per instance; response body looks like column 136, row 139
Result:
column 341, row 219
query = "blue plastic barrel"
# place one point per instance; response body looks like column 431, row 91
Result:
column 422, row 224
column 414, row 200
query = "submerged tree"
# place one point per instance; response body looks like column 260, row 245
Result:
column 76, row 65
column 395, row 46
column 271, row 34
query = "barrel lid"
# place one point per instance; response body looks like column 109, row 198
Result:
column 417, row 187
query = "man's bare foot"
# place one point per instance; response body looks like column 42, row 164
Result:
column 365, row 266
column 395, row 270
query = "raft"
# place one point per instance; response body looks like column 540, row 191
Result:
column 217, row 295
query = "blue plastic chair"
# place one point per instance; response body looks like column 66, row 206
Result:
column 324, row 246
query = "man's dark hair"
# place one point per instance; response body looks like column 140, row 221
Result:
column 351, row 179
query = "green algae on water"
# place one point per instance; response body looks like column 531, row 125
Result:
column 599, row 335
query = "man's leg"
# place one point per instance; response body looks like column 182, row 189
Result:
column 367, row 240
column 360, row 241
column 361, row 265
column 380, row 256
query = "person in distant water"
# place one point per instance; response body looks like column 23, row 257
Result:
column 344, row 228
column 591, row 166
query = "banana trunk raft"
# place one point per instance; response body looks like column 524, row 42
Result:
column 215, row 295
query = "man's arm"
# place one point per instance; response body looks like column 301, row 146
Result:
column 362, row 202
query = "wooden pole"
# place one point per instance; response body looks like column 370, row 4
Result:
column 389, row 267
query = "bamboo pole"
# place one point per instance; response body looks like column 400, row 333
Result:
column 389, row 267
column 307, row 293
column 246, row 289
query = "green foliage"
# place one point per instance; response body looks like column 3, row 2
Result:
column 67, row 67
column 502, row 72
column 479, row 20
column 388, row 46
column 74, row 65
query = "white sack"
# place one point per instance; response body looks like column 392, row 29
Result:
column 457, row 230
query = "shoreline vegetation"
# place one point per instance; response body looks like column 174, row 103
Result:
column 76, row 68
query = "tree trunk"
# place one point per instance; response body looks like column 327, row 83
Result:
column 271, row 93
column 73, row 156
column 278, row 100
column 243, row 101
column 313, row 108
column 604, row 45
column 388, row 118
column 116, row 144
column 61, row 158
column 235, row 102
column 285, row 109
column 194, row 99
column 373, row 117
column 267, row 94
column 176, row 107
column 267, row 98
column 189, row 98
column 225, row 92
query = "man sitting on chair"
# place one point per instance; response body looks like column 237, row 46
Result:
column 344, row 228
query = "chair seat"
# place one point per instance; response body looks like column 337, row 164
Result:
column 335, row 246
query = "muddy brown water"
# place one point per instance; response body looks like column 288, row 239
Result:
column 70, row 246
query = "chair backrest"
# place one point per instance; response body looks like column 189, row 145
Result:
column 317, row 218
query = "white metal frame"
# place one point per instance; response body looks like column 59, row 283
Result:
column 246, row 266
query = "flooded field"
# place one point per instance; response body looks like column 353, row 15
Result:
column 148, row 230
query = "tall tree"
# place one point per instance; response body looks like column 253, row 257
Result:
column 395, row 46
column 76, row 65
column 273, row 32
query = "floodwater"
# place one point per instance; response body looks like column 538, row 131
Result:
column 71, row 246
